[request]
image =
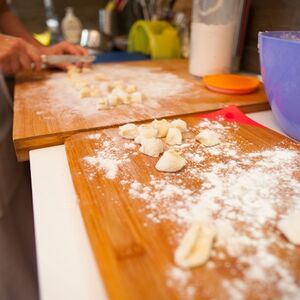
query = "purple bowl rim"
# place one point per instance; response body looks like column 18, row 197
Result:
column 268, row 34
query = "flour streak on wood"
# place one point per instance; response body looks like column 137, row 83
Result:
column 135, row 218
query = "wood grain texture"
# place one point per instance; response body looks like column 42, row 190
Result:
column 134, row 253
column 43, row 115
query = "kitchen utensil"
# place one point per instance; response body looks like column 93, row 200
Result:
column 70, row 59
column 280, row 69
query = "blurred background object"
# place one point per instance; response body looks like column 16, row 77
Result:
column 264, row 15
column 71, row 26
column 280, row 68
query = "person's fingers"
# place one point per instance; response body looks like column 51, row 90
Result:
column 25, row 62
column 5, row 68
column 15, row 65
column 35, row 57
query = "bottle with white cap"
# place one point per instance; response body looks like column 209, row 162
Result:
column 71, row 26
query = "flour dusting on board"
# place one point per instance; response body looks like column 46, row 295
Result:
column 152, row 82
column 244, row 194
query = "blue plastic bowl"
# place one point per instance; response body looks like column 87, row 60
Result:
column 279, row 53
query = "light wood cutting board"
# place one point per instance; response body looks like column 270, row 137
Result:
column 134, row 237
column 48, row 109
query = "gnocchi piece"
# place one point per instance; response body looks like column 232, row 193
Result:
column 85, row 92
column 104, row 88
column 174, row 137
column 162, row 126
column 121, row 95
column 136, row 97
column 208, row 138
column 117, row 83
column 152, row 146
column 72, row 70
column 130, row 89
column 95, row 92
column 171, row 161
column 290, row 227
column 112, row 99
column 128, row 131
column 86, row 70
column 195, row 247
column 147, row 131
column 100, row 77
column 180, row 124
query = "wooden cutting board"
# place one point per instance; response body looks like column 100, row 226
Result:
column 135, row 215
column 48, row 108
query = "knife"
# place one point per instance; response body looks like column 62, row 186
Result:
column 61, row 59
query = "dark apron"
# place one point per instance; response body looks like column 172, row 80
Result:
column 18, row 278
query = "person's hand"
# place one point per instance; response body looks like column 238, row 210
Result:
column 16, row 55
column 64, row 48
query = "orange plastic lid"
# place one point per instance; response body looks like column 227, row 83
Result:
column 231, row 83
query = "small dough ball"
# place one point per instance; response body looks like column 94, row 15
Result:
column 162, row 126
column 86, row 70
column 85, row 92
column 95, row 92
column 174, row 137
column 130, row 89
column 290, row 227
column 208, row 138
column 121, row 95
column 195, row 247
column 180, row 124
column 136, row 97
column 117, row 83
column 147, row 131
column 104, row 88
column 128, row 131
column 152, row 147
column 100, row 77
column 72, row 70
column 112, row 99
column 171, row 161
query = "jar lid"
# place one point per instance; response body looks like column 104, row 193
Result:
column 231, row 83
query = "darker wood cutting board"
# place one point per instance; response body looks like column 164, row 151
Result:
column 47, row 109
column 134, row 237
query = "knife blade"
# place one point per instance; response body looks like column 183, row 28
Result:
column 64, row 58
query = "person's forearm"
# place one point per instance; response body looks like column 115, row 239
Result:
column 11, row 25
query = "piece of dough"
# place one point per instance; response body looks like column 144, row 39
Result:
column 162, row 126
column 152, row 147
column 121, row 95
column 171, row 161
column 85, row 92
column 136, row 97
column 128, row 131
column 104, row 88
column 117, row 83
column 147, row 131
column 86, row 70
column 180, row 124
column 208, row 138
column 95, row 92
column 112, row 99
column 195, row 247
column 130, row 89
column 100, row 77
column 290, row 227
column 174, row 137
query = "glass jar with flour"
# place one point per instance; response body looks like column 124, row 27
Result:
column 215, row 33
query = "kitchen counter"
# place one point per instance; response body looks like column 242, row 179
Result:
column 66, row 265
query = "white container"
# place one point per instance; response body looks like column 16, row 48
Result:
column 71, row 26
column 214, row 34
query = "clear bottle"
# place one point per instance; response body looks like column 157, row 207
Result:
column 214, row 35
column 71, row 26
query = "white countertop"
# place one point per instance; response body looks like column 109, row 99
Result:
column 66, row 265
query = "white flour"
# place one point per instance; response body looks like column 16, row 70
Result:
column 211, row 48
column 64, row 98
column 245, row 193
